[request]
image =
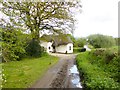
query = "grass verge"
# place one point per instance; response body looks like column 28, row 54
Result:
column 0, row 75
column 94, row 76
column 22, row 74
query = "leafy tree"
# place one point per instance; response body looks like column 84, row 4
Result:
column 13, row 43
column 38, row 16
column 101, row 41
column 73, row 40
column 78, row 42
column 81, row 42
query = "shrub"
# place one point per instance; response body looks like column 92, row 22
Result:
column 13, row 43
column 34, row 49
column 83, row 50
column 12, row 52
column 90, row 46
column 108, row 61
column 117, row 41
column 81, row 42
column 99, row 51
column 109, row 55
column 96, row 73
column 76, row 50
column 113, row 68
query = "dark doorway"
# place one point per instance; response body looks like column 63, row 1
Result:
column 54, row 50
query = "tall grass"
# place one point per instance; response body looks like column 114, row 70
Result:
column 98, row 73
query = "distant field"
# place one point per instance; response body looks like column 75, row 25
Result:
column 22, row 74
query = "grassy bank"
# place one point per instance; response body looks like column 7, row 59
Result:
column 22, row 74
column 99, row 69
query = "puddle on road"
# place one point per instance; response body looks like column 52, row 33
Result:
column 75, row 79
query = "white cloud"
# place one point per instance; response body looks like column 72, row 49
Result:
column 98, row 16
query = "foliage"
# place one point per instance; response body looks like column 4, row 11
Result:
column 90, row 46
column 24, row 73
column 33, row 48
column 76, row 50
column 37, row 16
column 79, row 49
column 117, row 41
column 81, row 42
column 73, row 39
column 13, row 43
column 109, row 60
column 96, row 72
column 78, row 42
column 101, row 41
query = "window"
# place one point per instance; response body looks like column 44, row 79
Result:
column 69, row 47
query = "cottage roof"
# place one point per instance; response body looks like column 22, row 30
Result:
column 62, row 39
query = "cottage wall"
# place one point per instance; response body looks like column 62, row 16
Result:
column 65, row 48
column 70, row 48
column 61, row 49
column 47, row 46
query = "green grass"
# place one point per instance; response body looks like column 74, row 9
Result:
column 0, row 43
column 94, row 76
column 22, row 74
column 0, row 75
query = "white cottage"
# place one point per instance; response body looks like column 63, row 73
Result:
column 57, row 43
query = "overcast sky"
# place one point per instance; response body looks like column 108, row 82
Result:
column 98, row 16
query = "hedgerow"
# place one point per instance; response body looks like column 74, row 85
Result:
column 96, row 72
column 13, row 43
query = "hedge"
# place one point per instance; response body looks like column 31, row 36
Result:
column 96, row 74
